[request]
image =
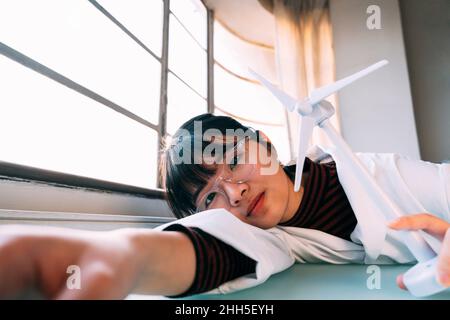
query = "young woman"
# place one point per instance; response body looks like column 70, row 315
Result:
column 182, row 258
column 255, row 198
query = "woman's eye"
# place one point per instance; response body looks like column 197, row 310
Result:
column 209, row 198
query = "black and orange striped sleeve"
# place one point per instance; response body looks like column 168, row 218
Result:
column 216, row 261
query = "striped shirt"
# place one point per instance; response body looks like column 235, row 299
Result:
column 324, row 207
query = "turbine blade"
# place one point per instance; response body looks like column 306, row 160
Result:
column 287, row 101
column 321, row 93
column 304, row 135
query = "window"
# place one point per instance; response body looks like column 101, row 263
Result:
column 52, row 127
column 90, row 88
column 238, row 95
column 187, row 80
column 83, row 82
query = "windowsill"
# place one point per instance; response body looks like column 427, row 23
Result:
column 31, row 189
column 17, row 172
column 80, row 220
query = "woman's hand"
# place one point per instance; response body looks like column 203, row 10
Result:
column 112, row 263
column 32, row 256
column 436, row 227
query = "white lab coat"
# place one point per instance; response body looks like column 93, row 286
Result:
column 415, row 186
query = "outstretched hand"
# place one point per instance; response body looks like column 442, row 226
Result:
column 436, row 227
column 40, row 257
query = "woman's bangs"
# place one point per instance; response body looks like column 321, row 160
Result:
column 185, row 180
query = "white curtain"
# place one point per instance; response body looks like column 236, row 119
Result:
column 304, row 54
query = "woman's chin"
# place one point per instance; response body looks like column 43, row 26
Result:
column 265, row 221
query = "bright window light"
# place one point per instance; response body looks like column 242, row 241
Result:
column 186, row 58
column 245, row 99
column 192, row 14
column 46, row 125
column 238, row 55
column 75, row 39
column 183, row 104
column 144, row 18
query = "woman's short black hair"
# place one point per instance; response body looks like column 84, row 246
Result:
column 181, row 180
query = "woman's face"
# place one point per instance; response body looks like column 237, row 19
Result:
column 263, row 199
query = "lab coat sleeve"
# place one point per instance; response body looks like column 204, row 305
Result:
column 429, row 183
column 270, row 251
column 415, row 186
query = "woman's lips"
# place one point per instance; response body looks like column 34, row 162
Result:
column 256, row 205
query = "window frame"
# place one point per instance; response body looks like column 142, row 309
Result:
column 11, row 171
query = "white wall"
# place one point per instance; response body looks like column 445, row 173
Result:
column 376, row 113
column 426, row 27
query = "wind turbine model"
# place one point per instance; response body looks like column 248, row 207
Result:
column 315, row 111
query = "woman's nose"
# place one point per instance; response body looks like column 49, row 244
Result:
column 235, row 192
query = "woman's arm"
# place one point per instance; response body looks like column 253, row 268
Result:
column 167, row 260
column 112, row 263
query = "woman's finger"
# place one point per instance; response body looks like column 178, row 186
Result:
column 443, row 267
column 423, row 221
column 400, row 282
